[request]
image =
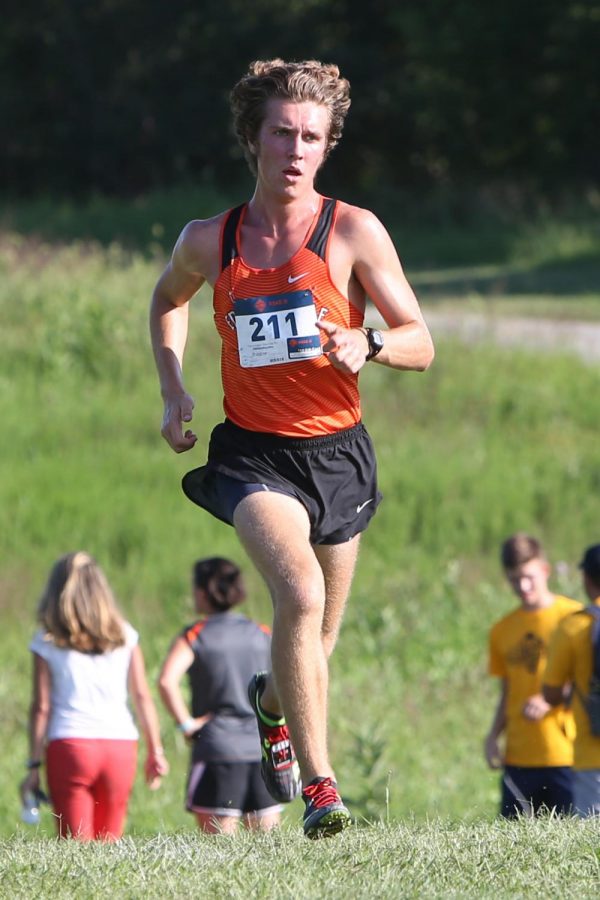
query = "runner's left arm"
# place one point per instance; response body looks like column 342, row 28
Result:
column 407, row 342
column 377, row 269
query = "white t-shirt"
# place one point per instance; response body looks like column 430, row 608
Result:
column 88, row 697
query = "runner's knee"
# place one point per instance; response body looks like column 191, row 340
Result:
column 300, row 602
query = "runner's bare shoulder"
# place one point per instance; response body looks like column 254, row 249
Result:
column 356, row 223
column 197, row 247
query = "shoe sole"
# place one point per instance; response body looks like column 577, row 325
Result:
column 328, row 826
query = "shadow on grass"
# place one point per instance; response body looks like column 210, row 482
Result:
column 579, row 274
column 146, row 224
column 445, row 257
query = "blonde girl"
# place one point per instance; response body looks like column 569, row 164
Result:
column 86, row 662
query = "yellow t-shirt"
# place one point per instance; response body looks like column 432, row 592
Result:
column 518, row 649
column 570, row 659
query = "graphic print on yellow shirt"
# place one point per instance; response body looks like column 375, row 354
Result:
column 275, row 377
column 518, row 652
column 570, row 660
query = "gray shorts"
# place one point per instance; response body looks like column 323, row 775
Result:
column 334, row 477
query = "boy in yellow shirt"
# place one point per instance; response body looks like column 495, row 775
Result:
column 538, row 753
column 571, row 660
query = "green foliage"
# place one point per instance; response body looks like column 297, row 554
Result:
column 149, row 223
column 124, row 96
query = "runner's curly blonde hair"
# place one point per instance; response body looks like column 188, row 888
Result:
column 308, row 81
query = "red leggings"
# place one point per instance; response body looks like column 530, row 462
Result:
column 90, row 782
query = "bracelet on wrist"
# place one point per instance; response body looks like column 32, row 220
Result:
column 158, row 751
column 189, row 723
column 33, row 764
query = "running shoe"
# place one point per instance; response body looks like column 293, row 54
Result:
column 325, row 813
column 279, row 768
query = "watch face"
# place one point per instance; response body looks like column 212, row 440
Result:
column 375, row 339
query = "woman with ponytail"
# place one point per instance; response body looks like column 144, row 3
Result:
column 86, row 661
column 220, row 652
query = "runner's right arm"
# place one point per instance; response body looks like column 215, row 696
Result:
column 181, row 279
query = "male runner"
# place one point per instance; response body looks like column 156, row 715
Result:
column 291, row 468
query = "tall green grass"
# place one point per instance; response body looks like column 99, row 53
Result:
column 487, row 442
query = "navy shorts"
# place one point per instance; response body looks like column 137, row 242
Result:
column 333, row 476
column 228, row 789
column 527, row 791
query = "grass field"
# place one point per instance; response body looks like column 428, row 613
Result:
column 436, row 859
column 486, row 442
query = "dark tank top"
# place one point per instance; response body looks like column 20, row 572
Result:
column 228, row 649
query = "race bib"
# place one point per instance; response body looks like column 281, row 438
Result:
column 277, row 329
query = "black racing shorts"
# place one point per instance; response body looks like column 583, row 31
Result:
column 228, row 789
column 334, row 477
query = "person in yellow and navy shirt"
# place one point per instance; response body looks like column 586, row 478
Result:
column 570, row 660
column 538, row 739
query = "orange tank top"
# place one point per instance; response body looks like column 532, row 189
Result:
column 275, row 377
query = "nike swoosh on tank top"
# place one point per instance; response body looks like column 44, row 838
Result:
column 300, row 398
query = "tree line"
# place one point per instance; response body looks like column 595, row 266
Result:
column 123, row 95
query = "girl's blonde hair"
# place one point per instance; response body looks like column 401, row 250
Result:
column 78, row 609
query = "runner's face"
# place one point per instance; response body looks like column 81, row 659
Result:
column 291, row 145
column 530, row 582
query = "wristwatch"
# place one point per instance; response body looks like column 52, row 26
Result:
column 375, row 339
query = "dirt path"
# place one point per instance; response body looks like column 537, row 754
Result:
column 545, row 335
column 581, row 338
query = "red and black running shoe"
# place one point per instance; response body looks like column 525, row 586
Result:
column 279, row 767
column 325, row 813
